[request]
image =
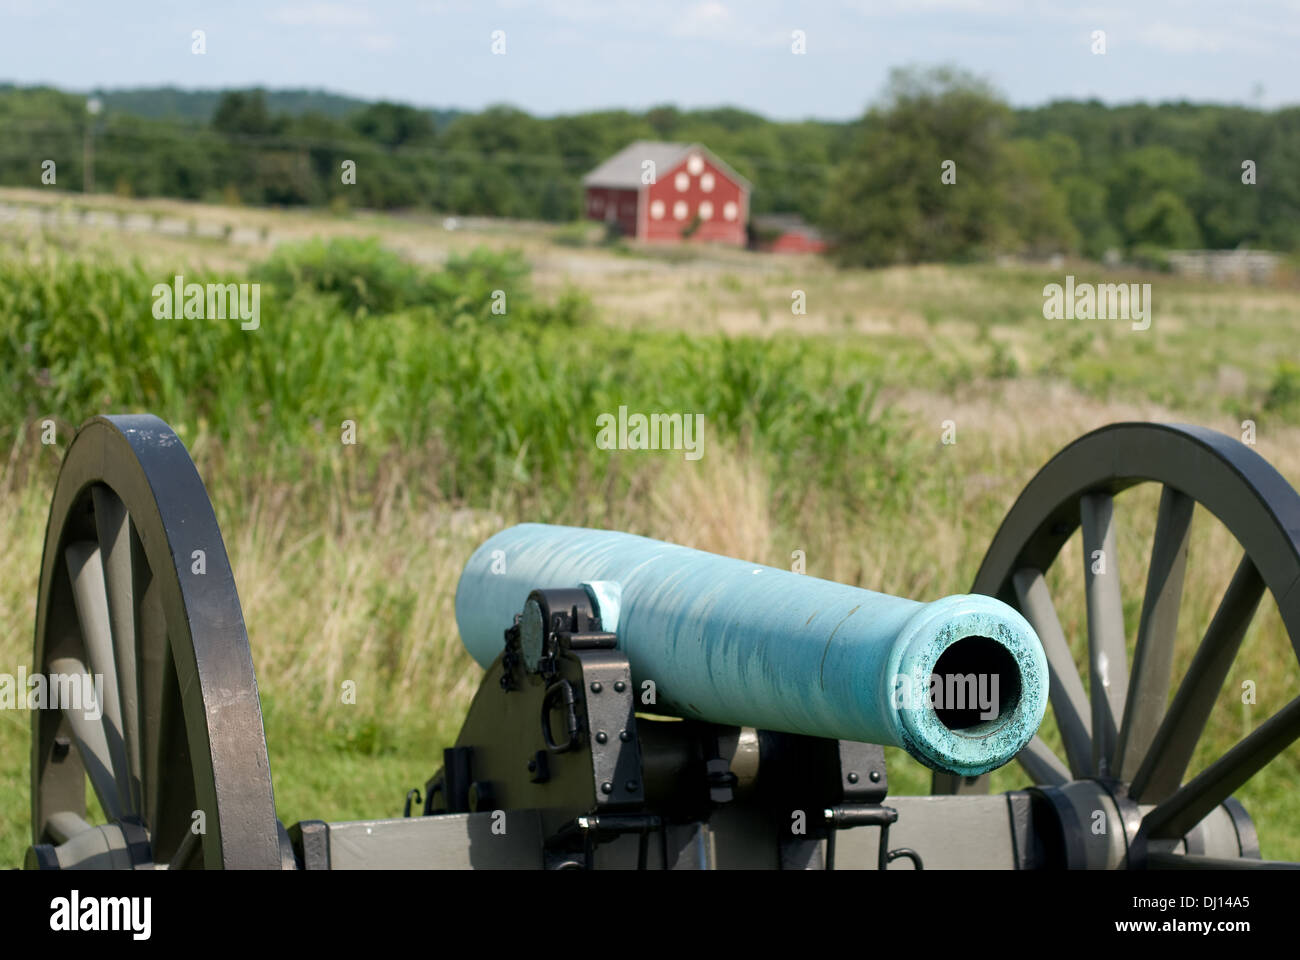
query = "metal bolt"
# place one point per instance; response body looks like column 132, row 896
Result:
column 624, row 736
column 596, row 687
column 853, row 778
column 633, row 786
column 875, row 776
column 532, row 766
column 606, row 787
column 619, row 686
column 602, row 737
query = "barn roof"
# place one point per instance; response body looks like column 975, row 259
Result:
column 623, row 169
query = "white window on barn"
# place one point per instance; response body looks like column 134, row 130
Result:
column 679, row 210
column 595, row 201
column 729, row 210
column 706, row 183
column 657, row 210
column 695, row 164
column 682, row 182
column 706, row 210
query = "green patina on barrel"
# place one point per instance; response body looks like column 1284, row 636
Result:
column 741, row 643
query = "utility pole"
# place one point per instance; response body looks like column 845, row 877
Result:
column 93, row 106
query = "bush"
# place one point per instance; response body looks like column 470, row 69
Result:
column 364, row 276
column 1284, row 391
column 581, row 233
column 367, row 279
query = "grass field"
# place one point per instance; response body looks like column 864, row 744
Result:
column 823, row 434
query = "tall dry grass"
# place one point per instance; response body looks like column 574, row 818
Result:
column 337, row 591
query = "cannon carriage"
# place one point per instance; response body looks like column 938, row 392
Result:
column 648, row 706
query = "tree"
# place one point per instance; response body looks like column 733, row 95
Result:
column 1162, row 221
column 243, row 113
column 394, row 125
column 889, row 202
column 1146, row 191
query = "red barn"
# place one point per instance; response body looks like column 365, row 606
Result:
column 670, row 192
column 786, row 233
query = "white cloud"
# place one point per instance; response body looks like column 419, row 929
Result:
column 993, row 8
column 25, row 8
column 1186, row 39
column 321, row 15
column 706, row 16
column 1180, row 39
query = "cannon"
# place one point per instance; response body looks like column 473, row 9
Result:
column 645, row 705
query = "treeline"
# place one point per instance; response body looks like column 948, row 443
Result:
column 197, row 106
column 500, row 162
column 943, row 170
column 1076, row 177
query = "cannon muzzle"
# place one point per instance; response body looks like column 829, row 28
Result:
column 961, row 683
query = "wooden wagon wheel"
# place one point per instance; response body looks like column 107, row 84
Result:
column 1124, row 737
column 136, row 588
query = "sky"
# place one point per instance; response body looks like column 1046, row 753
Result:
column 567, row 56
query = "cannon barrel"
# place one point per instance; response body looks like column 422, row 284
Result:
column 739, row 643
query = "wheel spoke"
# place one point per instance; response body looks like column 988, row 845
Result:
column 1148, row 689
column 168, row 784
column 185, row 852
column 122, row 557
column 1107, row 656
column 1042, row 764
column 86, row 571
column 154, row 666
column 88, row 734
column 1162, row 769
column 1069, row 703
column 1191, row 803
column 65, row 825
column 174, row 792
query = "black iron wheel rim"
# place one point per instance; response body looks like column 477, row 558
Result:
column 129, row 499
column 1259, row 508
